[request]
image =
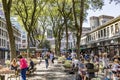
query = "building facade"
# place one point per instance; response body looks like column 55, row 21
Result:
column 100, row 20
column 23, row 39
column 104, row 38
column 4, row 40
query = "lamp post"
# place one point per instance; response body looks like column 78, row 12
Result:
column 112, row 41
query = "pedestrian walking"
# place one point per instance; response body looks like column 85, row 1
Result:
column 23, row 67
column 52, row 57
column 46, row 59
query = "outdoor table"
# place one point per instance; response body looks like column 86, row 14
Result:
column 5, row 71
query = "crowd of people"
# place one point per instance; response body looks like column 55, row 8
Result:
column 102, row 63
column 82, row 63
column 48, row 56
column 21, row 65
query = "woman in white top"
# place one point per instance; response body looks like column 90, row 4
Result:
column 105, row 61
column 105, row 64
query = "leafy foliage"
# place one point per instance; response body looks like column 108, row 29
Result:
column 45, row 44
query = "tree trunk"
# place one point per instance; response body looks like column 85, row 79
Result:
column 78, row 28
column 59, row 41
column 6, row 8
column 56, row 47
column 81, row 23
column 66, row 30
column 28, row 45
column 11, row 39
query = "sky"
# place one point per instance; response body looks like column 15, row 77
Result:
column 108, row 9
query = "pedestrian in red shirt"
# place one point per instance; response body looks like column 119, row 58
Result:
column 23, row 66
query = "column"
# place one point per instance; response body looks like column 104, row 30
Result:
column 6, row 55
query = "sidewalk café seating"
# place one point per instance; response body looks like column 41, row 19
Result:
column 15, row 75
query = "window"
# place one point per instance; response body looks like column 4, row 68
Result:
column 0, row 42
column 94, row 36
column 112, row 29
column 4, row 43
column 107, row 31
column 23, row 41
column 0, row 31
column 101, row 33
column 23, row 36
column 98, row 34
column 116, row 28
column 49, row 34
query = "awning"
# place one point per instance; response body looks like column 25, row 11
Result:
column 4, row 49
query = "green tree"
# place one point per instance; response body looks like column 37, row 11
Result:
column 29, row 11
column 45, row 44
column 79, row 16
column 43, row 24
column 7, row 10
column 65, row 9
column 56, row 21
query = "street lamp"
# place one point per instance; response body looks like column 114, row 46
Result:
column 98, row 44
column 112, row 41
column 98, row 47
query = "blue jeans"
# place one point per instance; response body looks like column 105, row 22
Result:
column 47, row 63
column 23, row 73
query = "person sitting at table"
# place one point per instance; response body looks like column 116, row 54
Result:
column 14, row 64
column 81, row 69
column 89, row 66
column 31, row 66
column 69, row 58
column 115, row 69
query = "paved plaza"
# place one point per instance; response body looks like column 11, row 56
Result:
column 54, row 72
